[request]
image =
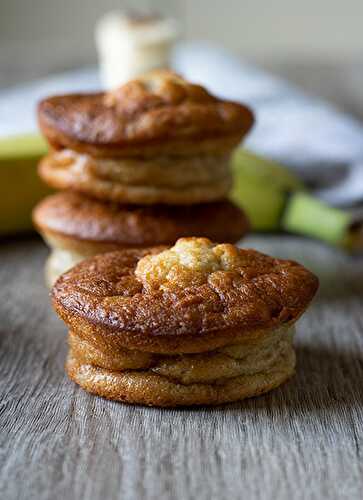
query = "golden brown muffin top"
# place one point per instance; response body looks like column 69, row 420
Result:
column 193, row 297
column 77, row 216
column 159, row 112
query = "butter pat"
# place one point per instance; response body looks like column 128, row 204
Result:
column 129, row 45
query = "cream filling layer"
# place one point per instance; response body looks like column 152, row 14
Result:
column 250, row 358
column 160, row 172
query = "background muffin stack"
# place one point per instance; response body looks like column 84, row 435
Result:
column 142, row 165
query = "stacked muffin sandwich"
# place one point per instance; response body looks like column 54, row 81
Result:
column 198, row 323
column 142, row 165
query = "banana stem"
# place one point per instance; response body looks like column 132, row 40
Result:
column 307, row 215
column 275, row 199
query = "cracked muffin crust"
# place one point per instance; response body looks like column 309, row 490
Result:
column 75, row 226
column 203, row 323
column 130, row 300
column 158, row 113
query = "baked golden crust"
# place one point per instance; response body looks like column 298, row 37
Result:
column 247, row 296
column 157, row 113
column 72, row 221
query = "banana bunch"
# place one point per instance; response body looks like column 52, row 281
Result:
column 274, row 198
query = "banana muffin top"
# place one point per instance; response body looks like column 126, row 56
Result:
column 158, row 113
column 193, row 297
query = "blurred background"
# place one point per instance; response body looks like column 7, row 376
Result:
column 279, row 57
column 42, row 36
column 328, row 29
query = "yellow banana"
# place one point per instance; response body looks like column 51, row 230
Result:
column 20, row 187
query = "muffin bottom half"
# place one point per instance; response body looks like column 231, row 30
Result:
column 222, row 376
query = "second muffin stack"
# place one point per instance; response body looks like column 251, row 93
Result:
column 143, row 165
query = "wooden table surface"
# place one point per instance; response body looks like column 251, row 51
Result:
column 302, row 441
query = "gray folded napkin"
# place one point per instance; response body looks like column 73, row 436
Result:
column 324, row 145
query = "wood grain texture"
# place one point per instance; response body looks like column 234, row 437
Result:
column 302, row 441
